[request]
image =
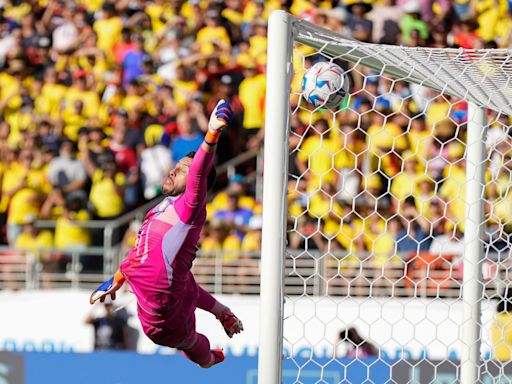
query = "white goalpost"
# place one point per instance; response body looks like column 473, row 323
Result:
column 323, row 268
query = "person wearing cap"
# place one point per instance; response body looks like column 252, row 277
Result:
column 337, row 20
column 412, row 22
column 358, row 22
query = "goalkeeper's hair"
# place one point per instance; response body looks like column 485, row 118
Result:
column 212, row 175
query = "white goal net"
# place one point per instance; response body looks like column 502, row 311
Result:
column 387, row 259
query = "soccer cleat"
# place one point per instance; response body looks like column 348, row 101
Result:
column 232, row 324
column 109, row 287
column 218, row 356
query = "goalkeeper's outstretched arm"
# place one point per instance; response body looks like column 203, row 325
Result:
column 196, row 188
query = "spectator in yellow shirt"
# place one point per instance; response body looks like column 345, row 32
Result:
column 258, row 42
column 252, row 95
column 213, row 37
column 250, row 255
column 107, row 189
column 80, row 90
column 316, row 157
column 221, row 241
column 52, row 94
column 69, row 235
column 404, row 183
column 26, row 197
column 108, row 28
column 501, row 329
column 39, row 244
column 386, row 141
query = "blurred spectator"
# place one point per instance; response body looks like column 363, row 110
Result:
column 235, row 215
column 412, row 23
column 110, row 329
column 414, row 237
column 250, row 253
column 155, row 161
column 252, row 95
column 65, row 172
column 237, row 185
column 358, row 22
column 467, row 37
column 68, row 235
column 26, row 195
column 133, row 60
column 220, row 241
column 212, row 36
column 107, row 189
column 189, row 137
column 314, row 160
column 448, row 245
column 501, row 329
column 386, row 18
column 39, row 243
column 337, row 21
column 108, row 28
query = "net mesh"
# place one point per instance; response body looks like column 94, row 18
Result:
column 480, row 76
column 376, row 215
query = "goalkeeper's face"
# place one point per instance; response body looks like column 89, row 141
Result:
column 176, row 180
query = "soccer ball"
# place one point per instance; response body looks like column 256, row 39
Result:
column 325, row 84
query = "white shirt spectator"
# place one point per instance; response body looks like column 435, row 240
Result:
column 64, row 36
column 65, row 170
column 447, row 245
column 154, row 164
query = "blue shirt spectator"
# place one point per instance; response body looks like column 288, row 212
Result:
column 412, row 239
column 133, row 63
column 188, row 139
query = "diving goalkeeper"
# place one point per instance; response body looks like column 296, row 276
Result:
column 158, row 266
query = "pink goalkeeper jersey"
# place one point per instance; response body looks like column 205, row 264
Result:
column 158, row 266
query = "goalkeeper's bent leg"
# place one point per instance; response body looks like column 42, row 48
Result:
column 199, row 351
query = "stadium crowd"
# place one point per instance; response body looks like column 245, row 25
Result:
column 99, row 99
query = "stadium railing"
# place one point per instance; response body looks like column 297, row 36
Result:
column 423, row 275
